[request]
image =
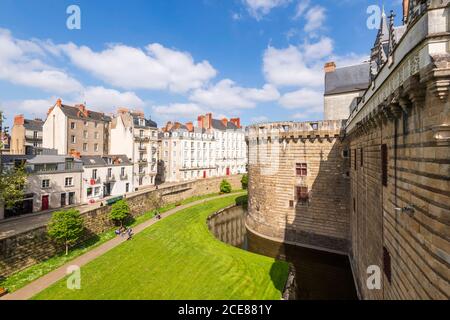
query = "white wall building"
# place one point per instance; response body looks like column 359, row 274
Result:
column 187, row 153
column 53, row 182
column 213, row 148
column 136, row 137
column 105, row 176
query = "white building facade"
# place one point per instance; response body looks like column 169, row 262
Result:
column 212, row 149
column 136, row 137
column 107, row 176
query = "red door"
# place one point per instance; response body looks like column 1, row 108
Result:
column 204, row 174
column 228, row 171
column 44, row 203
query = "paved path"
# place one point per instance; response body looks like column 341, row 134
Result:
column 44, row 282
column 13, row 226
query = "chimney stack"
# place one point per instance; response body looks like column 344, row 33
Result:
column 190, row 126
column 201, row 122
column 59, row 103
column 208, row 124
column 225, row 122
column 236, row 121
column 330, row 67
column 19, row 120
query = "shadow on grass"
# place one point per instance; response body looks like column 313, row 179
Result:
column 279, row 274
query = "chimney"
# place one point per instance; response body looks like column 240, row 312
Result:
column 201, row 122
column 75, row 154
column 190, row 126
column 330, row 67
column 169, row 126
column 236, row 121
column 208, row 122
column 225, row 121
column 59, row 103
column 19, row 120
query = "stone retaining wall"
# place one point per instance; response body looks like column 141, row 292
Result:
column 26, row 249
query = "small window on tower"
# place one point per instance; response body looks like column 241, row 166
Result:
column 302, row 194
column 301, row 169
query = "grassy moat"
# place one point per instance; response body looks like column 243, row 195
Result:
column 178, row 258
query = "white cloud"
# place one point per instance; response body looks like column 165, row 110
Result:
column 288, row 67
column 178, row 110
column 108, row 100
column 155, row 68
column 227, row 95
column 315, row 17
column 301, row 8
column 308, row 100
column 318, row 50
column 21, row 63
column 260, row 8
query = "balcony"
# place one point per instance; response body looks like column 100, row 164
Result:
column 124, row 177
column 142, row 174
column 142, row 161
column 141, row 138
column 142, row 148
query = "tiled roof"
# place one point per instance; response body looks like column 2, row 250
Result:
column 33, row 125
column 347, row 79
column 100, row 161
column 74, row 113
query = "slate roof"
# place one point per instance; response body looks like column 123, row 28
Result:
column 217, row 124
column 33, row 125
column 74, row 113
column 99, row 161
column 148, row 122
column 348, row 79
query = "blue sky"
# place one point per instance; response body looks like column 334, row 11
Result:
column 260, row 60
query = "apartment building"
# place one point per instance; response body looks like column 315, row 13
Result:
column 213, row 148
column 136, row 137
column 105, row 176
column 53, row 182
column 187, row 153
column 26, row 136
column 231, row 148
column 76, row 130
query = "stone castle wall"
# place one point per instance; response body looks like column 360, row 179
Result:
column 274, row 209
column 412, row 248
column 24, row 250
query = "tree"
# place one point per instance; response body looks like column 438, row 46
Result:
column 66, row 227
column 225, row 187
column 119, row 211
column 244, row 181
column 12, row 182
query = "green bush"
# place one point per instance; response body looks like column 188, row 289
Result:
column 119, row 211
column 66, row 227
column 225, row 187
column 244, row 181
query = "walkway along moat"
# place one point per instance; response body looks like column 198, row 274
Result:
column 318, row 275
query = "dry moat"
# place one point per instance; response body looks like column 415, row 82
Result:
column 318, row 275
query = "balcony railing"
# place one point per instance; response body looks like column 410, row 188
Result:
column 142, row 148
column 141, row 138
column 124, row 177
column 142, row 161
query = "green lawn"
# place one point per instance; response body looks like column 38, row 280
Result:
column 178, row 258
column 28, row 275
